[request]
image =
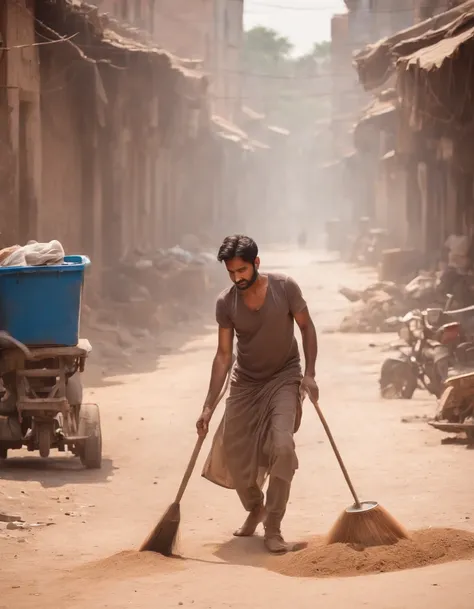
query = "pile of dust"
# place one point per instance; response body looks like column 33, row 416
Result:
column 426, row 547
column 128, row 564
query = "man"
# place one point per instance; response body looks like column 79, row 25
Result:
column 263, row 410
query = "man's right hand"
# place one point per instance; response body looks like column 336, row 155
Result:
column 202, row 424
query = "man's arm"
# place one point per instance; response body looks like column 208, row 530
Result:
column 299, row 311
column 310, row 341
column 220, row 366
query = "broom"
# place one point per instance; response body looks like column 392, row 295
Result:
column 365, row 523
column 163, row 537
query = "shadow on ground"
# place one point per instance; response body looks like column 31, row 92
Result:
column 55, row 472
column 249, row 551
column 145, row 357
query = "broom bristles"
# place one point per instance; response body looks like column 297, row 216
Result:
column 375, row 527
column 164, row 536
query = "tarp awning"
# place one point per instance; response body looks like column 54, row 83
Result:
column 377, row 62
column 380, row 115
column 101, row 31
column 433, row 57
column 379, row 112
column 436, row 81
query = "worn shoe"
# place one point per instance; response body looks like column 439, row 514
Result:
column 255, row 517
column 275, row 543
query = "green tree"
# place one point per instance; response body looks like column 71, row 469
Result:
column 287, row 89
column 316, row 60
column 321, row 49
column 267, row 45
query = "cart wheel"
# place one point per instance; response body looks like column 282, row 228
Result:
column 90, row 450
column 44, row 440
column 3, row 452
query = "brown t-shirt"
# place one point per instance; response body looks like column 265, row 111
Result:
column 266, row 342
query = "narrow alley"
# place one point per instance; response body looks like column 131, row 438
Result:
column 148, row 422
column 135, row 135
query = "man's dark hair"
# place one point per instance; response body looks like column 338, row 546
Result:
column 238, row 246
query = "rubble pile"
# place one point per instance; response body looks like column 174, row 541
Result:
column 175, row 278
column 374, row 306
column 146, row 295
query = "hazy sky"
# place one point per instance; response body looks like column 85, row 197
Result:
column 302, row 21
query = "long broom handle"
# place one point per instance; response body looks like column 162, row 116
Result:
column 335, row 449
column 189, row 469
column 199, row 443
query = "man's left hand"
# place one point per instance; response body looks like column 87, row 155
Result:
column 309, row 385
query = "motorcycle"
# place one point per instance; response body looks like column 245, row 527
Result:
column 455, row 413
column 425, row 357
column 41, row 406
column 464, row 317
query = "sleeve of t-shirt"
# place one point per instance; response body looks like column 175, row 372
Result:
column 222, row 314
column 296, row 301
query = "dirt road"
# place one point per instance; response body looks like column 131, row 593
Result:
column 148, row 425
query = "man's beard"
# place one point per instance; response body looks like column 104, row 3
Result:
column 244, row 284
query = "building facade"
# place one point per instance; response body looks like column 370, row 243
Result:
column 207, row 32
column 354, row 180
column 20, row 156
column 108, row 143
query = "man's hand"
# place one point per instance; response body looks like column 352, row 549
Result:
column 309, row 385
column 202, row 424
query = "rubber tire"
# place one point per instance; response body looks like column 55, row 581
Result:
column 411, row 382
column 90, row 450
column 74, row 390
column 44, row 441
column 410, row 389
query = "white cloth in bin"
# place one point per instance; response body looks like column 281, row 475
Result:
column 36, row 254
column 15, row 259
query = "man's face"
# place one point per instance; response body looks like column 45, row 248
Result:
column 242, row 273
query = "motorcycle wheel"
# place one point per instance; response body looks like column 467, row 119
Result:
column 398, row 381
column 435, row 376
column 44, row 441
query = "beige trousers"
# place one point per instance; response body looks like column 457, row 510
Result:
column 282, row 459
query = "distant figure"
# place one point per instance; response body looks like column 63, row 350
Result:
column 263, row 410
column 302, row 239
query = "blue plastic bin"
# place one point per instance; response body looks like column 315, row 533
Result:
column 41, row 305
